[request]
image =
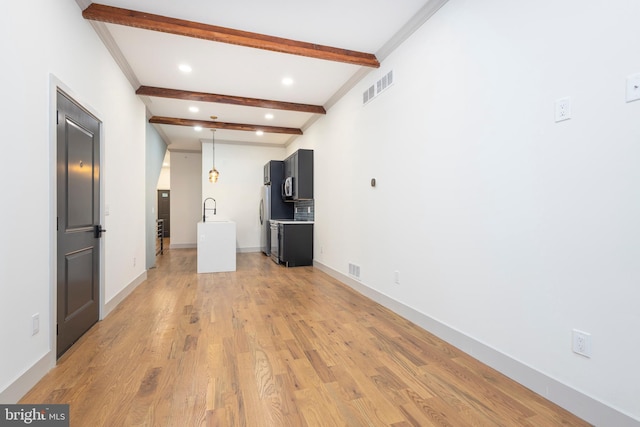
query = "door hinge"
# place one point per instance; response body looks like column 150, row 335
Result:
column 57, row 329
column 57, row 223
column 57, row 117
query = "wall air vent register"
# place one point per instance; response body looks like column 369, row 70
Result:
column 377, row 88
column 354, row 271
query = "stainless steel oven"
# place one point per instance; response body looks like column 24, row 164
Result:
column 275, row 241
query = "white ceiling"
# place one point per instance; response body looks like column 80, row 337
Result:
column 151, row 58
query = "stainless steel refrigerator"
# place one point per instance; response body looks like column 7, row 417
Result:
column 272, row 206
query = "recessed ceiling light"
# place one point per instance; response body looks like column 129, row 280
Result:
column 194, row 109
column 165, row 164
column 287, row 81
column 197, row 128
column 268, row 116
column 259, row 133
column 185, row 68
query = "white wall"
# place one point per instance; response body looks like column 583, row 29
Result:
column 71, row 55
column 504, row 226
column 164, row 181
column 155, row 153
column 237, row 191
column 186, row 206
column 124, row 187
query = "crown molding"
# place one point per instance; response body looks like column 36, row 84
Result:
column 419, row 19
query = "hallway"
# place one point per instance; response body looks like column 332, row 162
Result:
column 270, row 346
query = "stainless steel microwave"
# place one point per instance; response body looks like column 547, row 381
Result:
column 287, row 187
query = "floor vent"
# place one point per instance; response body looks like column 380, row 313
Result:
column 354, row 271
column 376, row 89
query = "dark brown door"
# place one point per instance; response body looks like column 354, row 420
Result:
column 164, row 210
column 78, row 176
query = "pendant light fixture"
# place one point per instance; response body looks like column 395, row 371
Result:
column 213, row 173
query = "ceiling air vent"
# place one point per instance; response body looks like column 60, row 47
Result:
column 380, row 86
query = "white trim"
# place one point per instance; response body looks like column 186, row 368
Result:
column 248, row 250
column 195, row 246
column 124, row 293
column 340, row 93
column 18, row 388
column 423, row 15
column 54, row 83
column 25, row 382
column 83, row 4
column 585, row 407
column 107, row 39
column 183, row 246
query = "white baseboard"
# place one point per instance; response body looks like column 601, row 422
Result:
column 120, row 296
column 27, row 380
column 14, row 392
column 183, row 246
column 585, row 407
column 248, row 250
column 195, row 246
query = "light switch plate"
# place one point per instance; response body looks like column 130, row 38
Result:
column 35, row 324
column 633, row 87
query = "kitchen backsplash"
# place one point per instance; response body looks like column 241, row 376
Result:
column 303, row 210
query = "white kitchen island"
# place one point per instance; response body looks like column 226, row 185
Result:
column 216, row 246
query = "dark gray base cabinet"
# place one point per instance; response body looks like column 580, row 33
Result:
column 296, row 244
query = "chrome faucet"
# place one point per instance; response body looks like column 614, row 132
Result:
column 204, row 208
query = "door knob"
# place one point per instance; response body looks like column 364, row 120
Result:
column 98, row 230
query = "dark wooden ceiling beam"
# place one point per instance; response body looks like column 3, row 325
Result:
column 222, row 125
column 228, row 99
column 148, row 21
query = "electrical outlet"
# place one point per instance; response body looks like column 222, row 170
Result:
column 581, row 343
column 396, row 277
column 563, row 109
column 35, row 324
column 134, row 261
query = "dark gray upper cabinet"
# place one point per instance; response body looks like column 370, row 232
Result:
column 299, row 166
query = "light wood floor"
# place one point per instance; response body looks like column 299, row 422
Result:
column 270, row 346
